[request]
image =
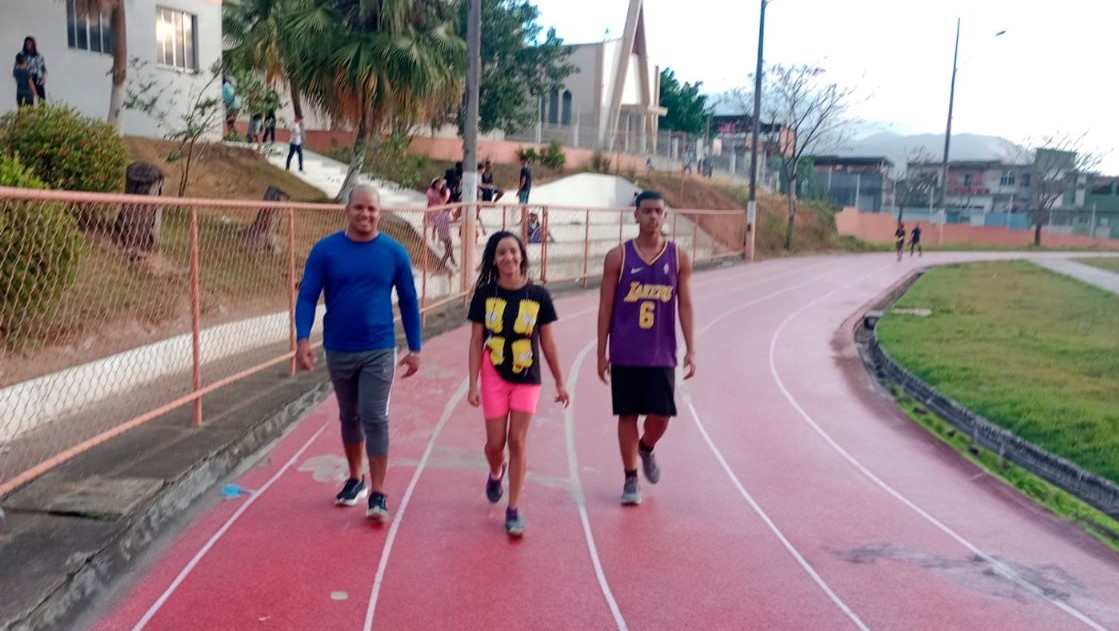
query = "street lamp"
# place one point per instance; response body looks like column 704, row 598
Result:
column 755, row 124
column 948, row 130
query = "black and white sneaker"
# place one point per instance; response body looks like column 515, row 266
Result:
column 493, row 486
column 352, row 493
column 378, row 510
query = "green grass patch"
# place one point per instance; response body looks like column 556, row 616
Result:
column 1056, row 500
column 1033, row 352
column 1108, row 263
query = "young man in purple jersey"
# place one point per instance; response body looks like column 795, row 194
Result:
column 645, row 282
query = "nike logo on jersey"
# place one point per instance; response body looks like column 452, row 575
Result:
column 635, row 270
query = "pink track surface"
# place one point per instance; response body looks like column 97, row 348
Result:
column 793, row 496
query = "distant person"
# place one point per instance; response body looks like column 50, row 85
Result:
column 524, row 184
column 535, row 232
column 36, row 66
column 232, row 104
column 25, row 85
column 295, row 144
column 270, row 127
column 359, row 268
column 649, row 168
column 899, row 239
column 490, row 192
column 915, row 241
column 256, row 126
column 511, row 322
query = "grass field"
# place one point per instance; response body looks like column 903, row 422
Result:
column 1029, row 350
column 1109, row 263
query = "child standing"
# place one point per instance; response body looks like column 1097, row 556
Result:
column 512, row 321
column 25, row 85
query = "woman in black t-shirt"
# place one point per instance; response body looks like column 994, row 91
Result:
column 512, row 321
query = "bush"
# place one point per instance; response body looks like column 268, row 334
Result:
column 529, row 154
column 65, row 150
column 39, row 251
column 553, row 157
column 600, row 163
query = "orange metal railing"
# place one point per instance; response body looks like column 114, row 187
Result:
column 117, row 309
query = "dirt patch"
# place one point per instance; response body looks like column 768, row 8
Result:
column 221, row 172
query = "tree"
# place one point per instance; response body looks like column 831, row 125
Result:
column 811, row 115
column 1057, row 164
column 516, row 69
column 115, row 9
column 251, row 30
column 687, row 108
column 917, row 186
column 381, row 65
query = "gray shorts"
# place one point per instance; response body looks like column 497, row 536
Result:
column 362, row 382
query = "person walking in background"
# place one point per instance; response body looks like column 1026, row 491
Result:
column 270, row 127
column 438, row 195
column 524, row 185
column 899, row 239
column 511, row 322
column 295, row 145
column 646, row 280
column 25, row 85
column 359, row 268
column 915, row 241
column 36, row 66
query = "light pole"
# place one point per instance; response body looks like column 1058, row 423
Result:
column 948, row 129
column 942, row 193
column 470, row 137
column 755, row 124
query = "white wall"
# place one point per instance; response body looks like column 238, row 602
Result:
column 80, row 78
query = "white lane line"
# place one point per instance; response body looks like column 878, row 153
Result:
column 162, row 600
column 996, row 565
column 789, row 547
column 453, row 402
column 577, row 488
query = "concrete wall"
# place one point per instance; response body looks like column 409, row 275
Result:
column 80, row 78
column 879, row 228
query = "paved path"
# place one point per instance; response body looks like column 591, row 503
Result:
column 794, row 496
column 1085, row 273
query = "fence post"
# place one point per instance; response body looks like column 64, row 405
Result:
column 469, row 248
column 544, row 247
column 423, row 277
column 291, row 290
column 674, row 216
column 195, row 316
column 695, row 236
column 586, row 247
column 621, row 216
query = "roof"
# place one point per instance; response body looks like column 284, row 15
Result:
column 851, row 160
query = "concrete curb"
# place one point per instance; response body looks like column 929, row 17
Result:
column 99, row 570
column 1099, row 492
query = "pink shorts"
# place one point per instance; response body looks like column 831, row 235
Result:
column 499, row 397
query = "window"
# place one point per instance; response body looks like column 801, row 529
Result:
column 553, row 107
column 1025, row 180
column 1007, row 178
column 968, row 179
column 88, row 32
column 565, row 115
column 174, row 39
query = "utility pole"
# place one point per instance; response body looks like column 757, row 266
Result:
column 948, row 131
column 470, row 139
column 755, row 124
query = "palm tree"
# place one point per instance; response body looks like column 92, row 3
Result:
column 376, row 64
column 115, row 9
column 252, row 36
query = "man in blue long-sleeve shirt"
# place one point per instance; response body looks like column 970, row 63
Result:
column 358, row 268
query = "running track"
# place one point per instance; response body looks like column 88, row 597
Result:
column 793, row 496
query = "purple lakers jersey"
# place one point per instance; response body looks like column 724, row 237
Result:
column 643, row 332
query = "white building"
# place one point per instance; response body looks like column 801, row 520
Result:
column 614, row 96
column 176, row 40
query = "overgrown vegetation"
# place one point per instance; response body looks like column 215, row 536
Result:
column 1029, row 350
column 39, row 251
column 64, row 149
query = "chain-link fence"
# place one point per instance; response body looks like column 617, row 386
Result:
column 115, row 309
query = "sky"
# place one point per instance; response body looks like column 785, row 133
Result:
column 1051, row 73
